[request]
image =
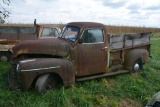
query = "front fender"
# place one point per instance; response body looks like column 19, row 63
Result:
column 30, row 69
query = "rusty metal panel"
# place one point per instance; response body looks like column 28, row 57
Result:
column 27, row 33
column 57, row 47
column 32, row 68
column 87, row 25
column 132, row 55
column 91, row 59
column 116, row 58
column 27, row 36
column 9, row 33
column 9, row 36
column 17, row 33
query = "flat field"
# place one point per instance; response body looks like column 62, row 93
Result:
column 125, row 90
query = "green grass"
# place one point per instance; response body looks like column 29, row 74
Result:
column 156, row 35
column 132, row 90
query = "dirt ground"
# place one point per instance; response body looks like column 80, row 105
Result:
column 129, row 103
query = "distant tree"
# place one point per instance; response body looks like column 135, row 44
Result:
column 1, row 20
column 3, row 12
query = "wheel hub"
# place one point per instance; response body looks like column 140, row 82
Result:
column 136, row 67
column 3, row 58
column 50, row 84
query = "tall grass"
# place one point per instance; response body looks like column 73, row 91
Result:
column 110, row 28
column 130, row 29
column 126, row 90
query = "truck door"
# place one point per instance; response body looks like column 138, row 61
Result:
column 92, row 55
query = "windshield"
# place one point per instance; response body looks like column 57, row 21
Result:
column 70, row 33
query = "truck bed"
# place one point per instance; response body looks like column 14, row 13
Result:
column 12, row 33
column 121, row 41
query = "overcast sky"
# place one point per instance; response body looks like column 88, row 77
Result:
column 113, row 12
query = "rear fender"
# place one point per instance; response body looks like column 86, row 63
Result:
column 31, row 69
column 132, row 55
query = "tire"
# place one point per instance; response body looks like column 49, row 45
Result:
column 138, row 65
column 45, row 82
column 5, row 56
column 156, row 104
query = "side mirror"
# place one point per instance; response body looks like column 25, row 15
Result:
column 80, row 41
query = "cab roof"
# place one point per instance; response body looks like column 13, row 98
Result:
column 87, row 24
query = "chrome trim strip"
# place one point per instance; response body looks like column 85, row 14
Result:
column 105, row 47
column 94, row 43
column 28, row 60
column 41, row 69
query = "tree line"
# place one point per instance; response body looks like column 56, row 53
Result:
column 4, row 13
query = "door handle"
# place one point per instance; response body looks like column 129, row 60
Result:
column 105, row 47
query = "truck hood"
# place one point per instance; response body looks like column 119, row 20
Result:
column 58, row 47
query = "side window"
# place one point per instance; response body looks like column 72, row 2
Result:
column 49, row 32
column 92, row 36
column 54, row 32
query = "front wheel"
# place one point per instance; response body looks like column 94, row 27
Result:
column 45, row 82
column 138, row 65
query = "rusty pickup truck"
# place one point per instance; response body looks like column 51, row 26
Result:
column 84, row 51
column 11, row 35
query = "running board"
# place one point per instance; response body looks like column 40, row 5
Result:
column 102, row 75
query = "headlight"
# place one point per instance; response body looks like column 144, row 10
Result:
column 18, row 68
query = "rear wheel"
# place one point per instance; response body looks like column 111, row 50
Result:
column 138, row 65
column 45, row 82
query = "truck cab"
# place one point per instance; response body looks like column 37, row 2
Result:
column 91, row 45
column 48, row 31
column 10, row 35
